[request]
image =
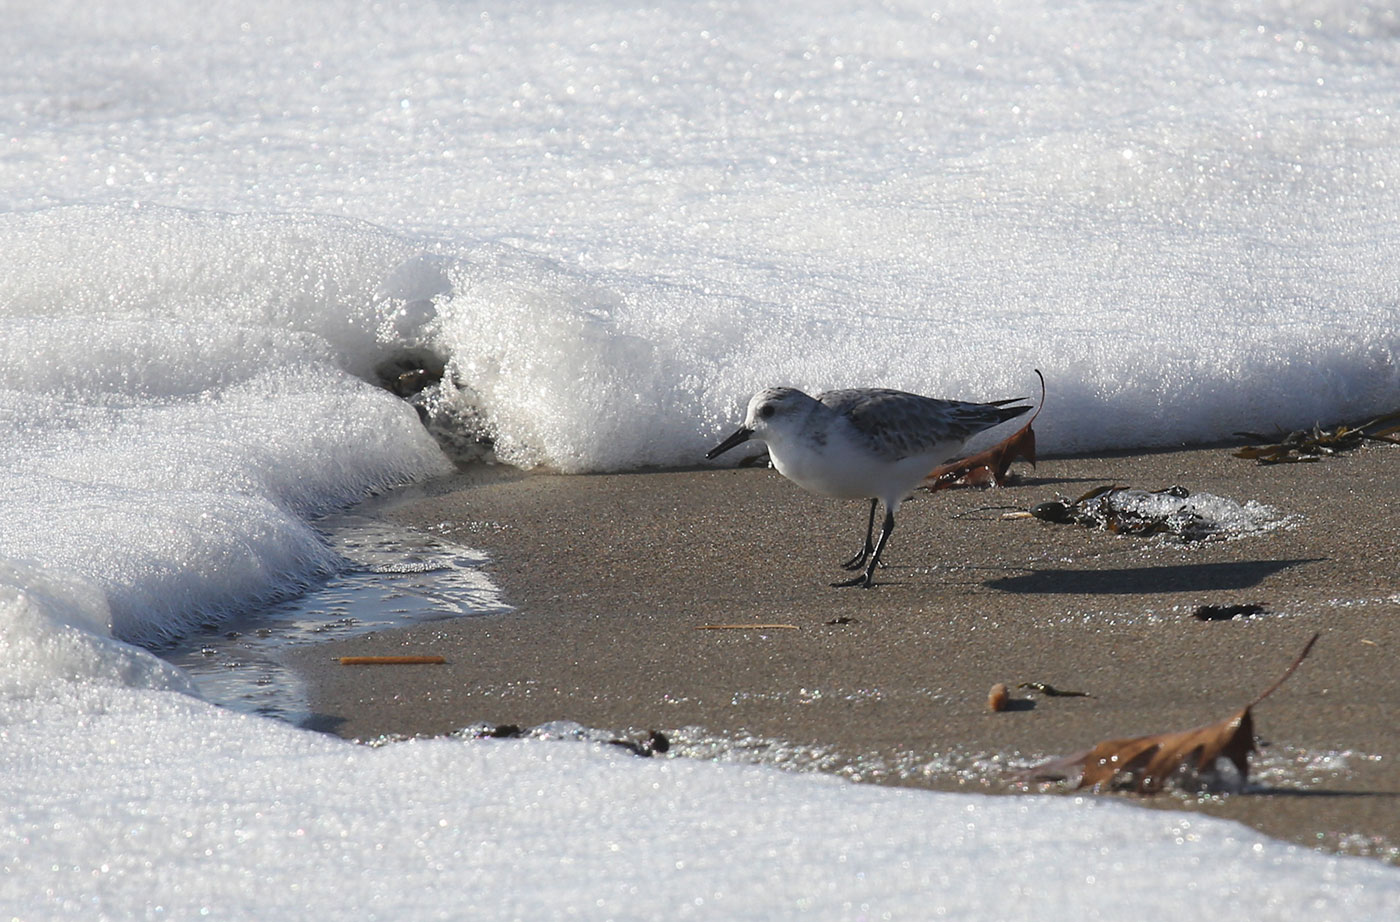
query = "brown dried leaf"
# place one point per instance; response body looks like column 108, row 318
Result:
column 1145, row 763
column 990, row 466
column 1148, row 761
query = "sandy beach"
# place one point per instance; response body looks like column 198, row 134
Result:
column 616, row 581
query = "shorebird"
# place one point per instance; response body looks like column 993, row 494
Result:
column 863, row 443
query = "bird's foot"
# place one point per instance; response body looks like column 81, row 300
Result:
column 865, row 580
column 858, row 562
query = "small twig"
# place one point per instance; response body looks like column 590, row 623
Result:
column 967, row 512
column 746, row 627
column 392, row 661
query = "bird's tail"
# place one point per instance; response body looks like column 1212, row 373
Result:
column 992, row 464
column 1004, row 412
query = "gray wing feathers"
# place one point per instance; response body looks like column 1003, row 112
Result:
column 900, row 424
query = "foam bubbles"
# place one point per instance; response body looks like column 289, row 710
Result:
column 279, row 823
column 181, row 395
column 618, row 225
column 613, row 225
column 56, row 628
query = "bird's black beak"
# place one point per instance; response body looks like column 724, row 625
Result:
column 738, row 438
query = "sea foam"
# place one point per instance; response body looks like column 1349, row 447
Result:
column 1183, row 215
column 146, row 804
column 610, row 225
column 180, row 398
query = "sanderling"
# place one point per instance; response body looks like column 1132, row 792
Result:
column 863, row 443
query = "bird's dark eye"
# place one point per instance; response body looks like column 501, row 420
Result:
column 766, row 410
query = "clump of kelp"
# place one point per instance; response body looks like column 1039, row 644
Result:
column 1172, row 511
column 1317, row 443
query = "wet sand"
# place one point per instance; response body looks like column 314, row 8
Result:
column 614, row 579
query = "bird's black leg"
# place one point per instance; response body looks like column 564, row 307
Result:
column 858, row 561
column 867, row 579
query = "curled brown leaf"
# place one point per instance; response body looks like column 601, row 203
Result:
column 1145, row 763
